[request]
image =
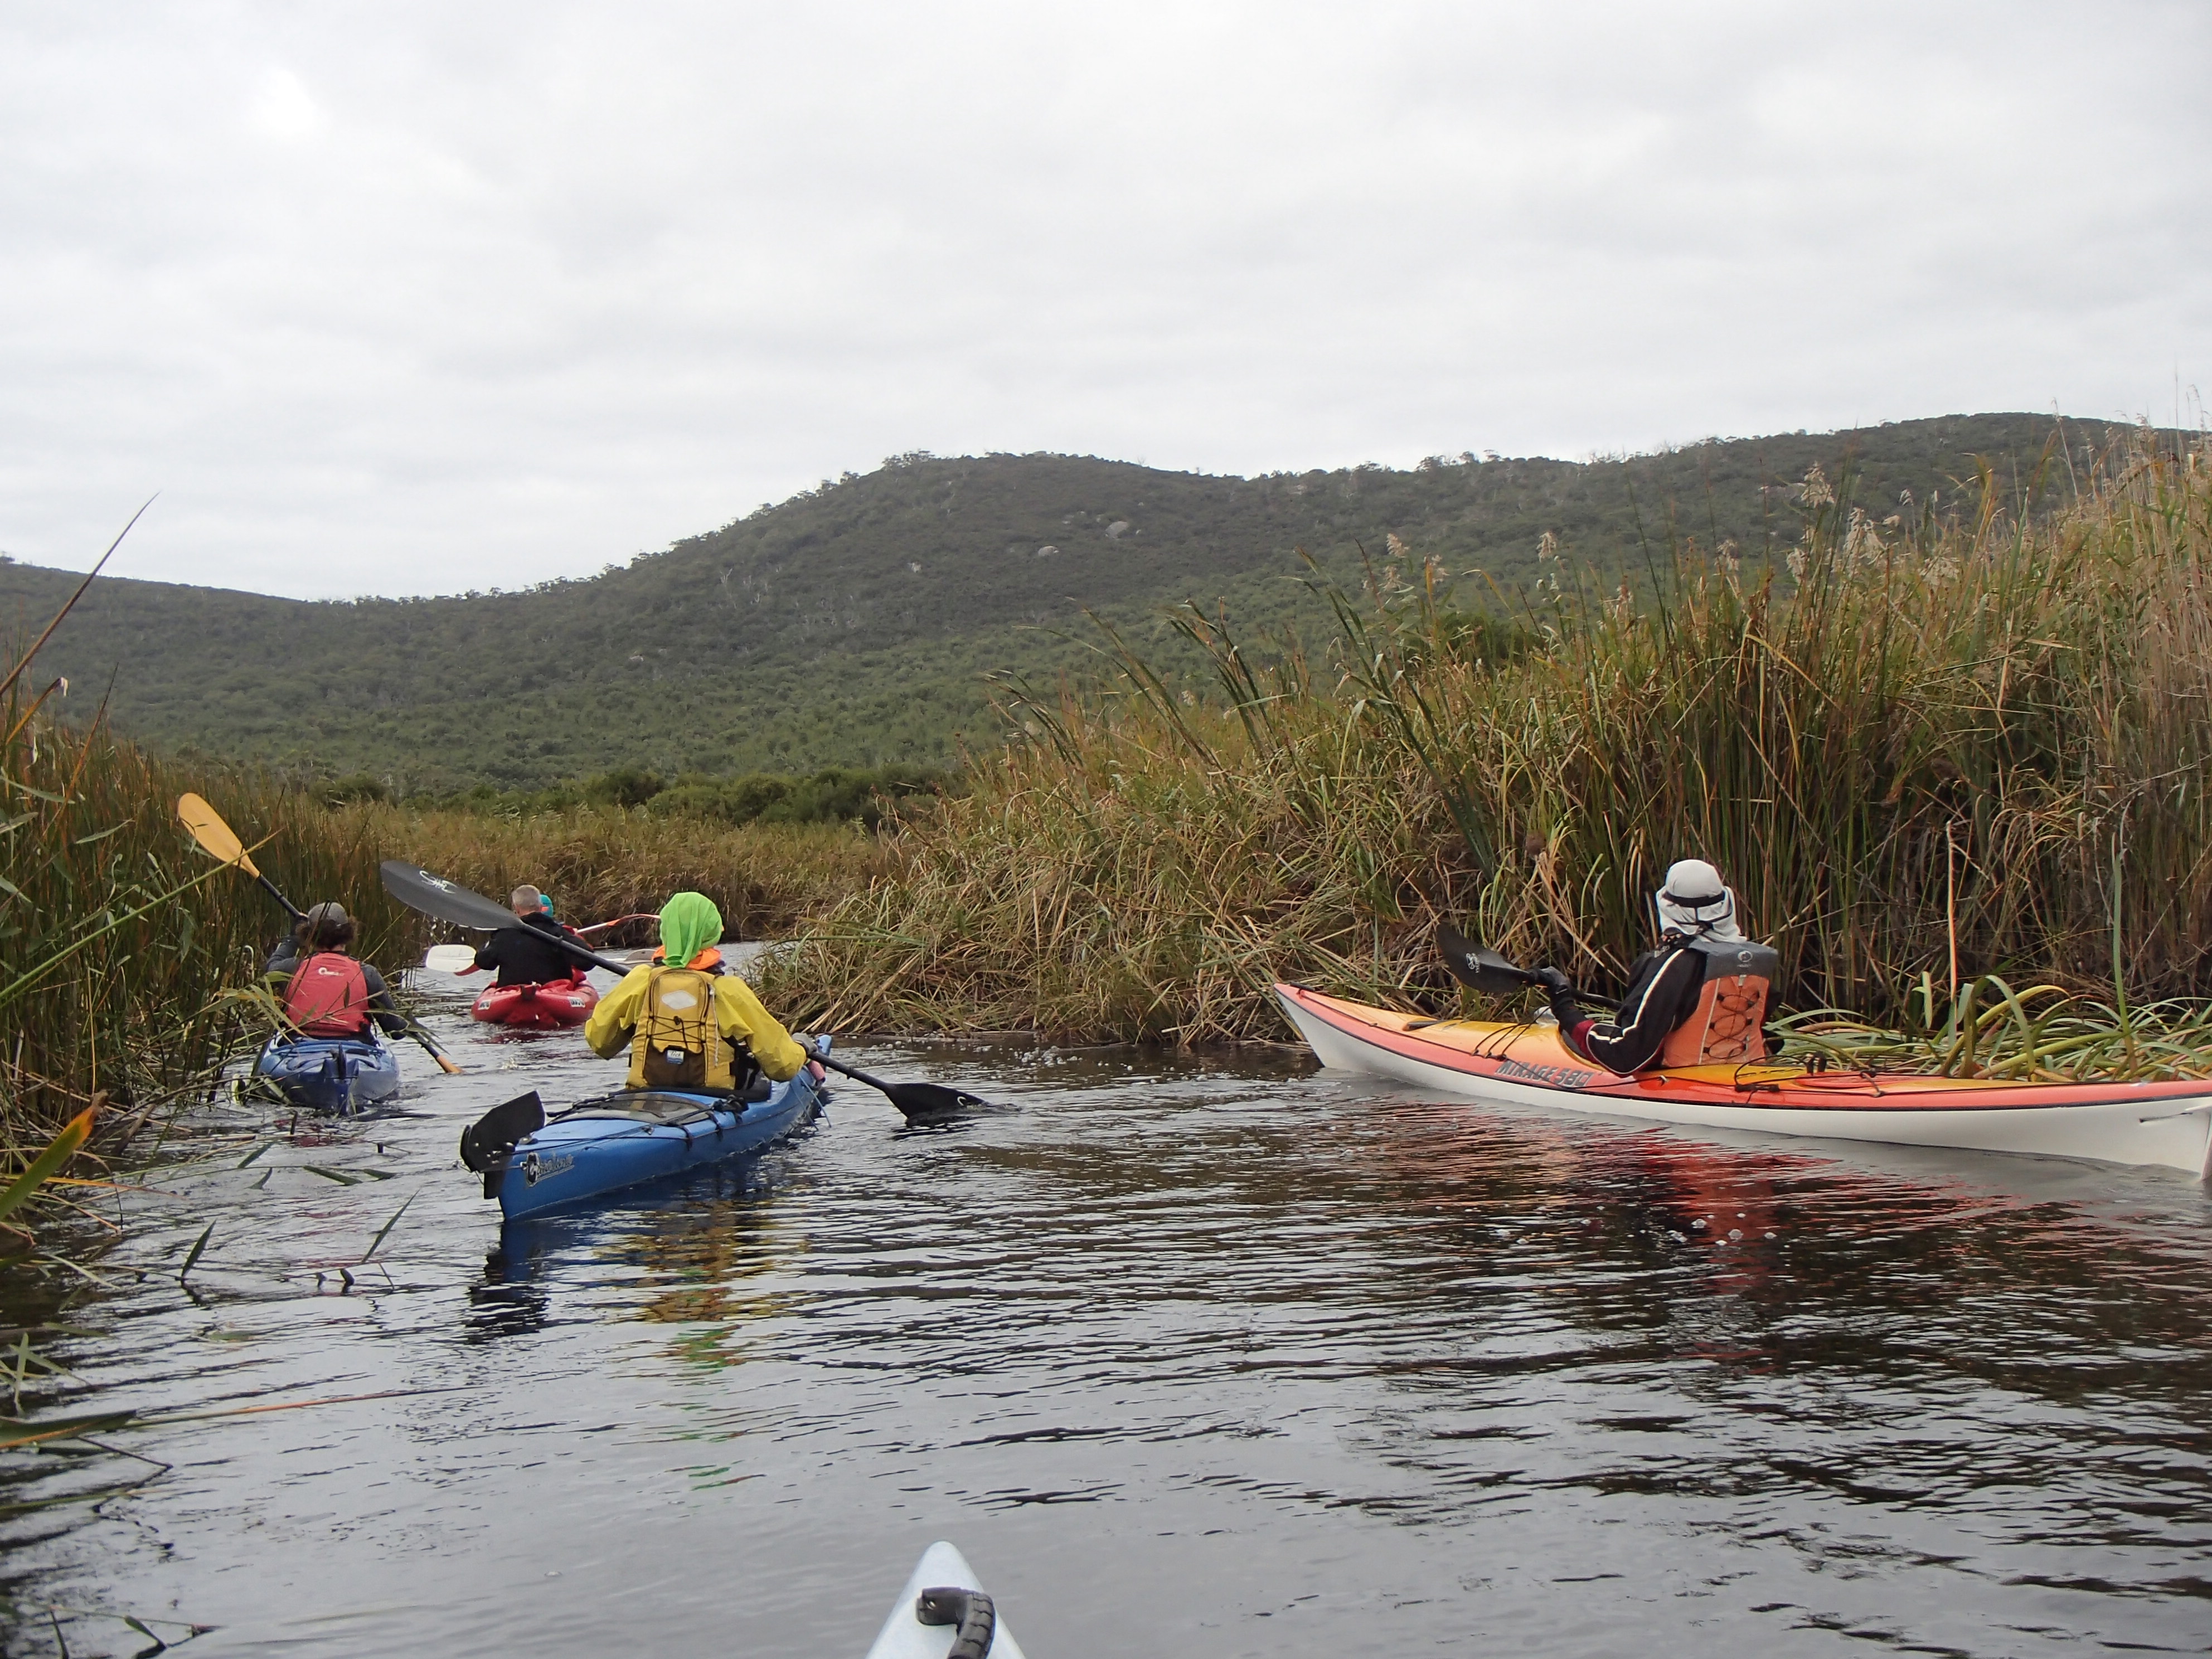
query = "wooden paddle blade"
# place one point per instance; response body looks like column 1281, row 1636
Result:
column 218, row 838
column 1478, row 967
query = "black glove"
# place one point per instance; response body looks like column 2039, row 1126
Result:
column 1563, row 996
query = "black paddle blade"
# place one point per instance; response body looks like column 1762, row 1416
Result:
column 1478, row 967
column 915, row 1101
column 488, row 1140
column 931, row 1100
column 434, row 895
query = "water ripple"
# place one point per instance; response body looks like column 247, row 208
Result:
column 1190, row 1358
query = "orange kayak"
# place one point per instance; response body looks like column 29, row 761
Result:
column 2160, row 1123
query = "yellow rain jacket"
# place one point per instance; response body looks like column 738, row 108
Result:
column 657, row 1005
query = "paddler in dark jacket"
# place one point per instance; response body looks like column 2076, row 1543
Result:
column 525, row 954
column 327, row 991
column 683, row 1018
column 1699, row 999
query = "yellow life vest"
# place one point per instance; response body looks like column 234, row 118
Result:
column 678, row 1044
column 1724, row 1028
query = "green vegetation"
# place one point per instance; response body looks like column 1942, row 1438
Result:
column 834, row 795
column 117, row 937
column 119, row 943
column 2043, row 1034
column 853, row 626
column 1919, row 738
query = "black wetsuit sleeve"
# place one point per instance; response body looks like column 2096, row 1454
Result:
column 487, row 952
column 1656, row 1002
column 382, row 1008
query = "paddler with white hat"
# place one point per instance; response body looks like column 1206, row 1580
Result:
column 1698, row 999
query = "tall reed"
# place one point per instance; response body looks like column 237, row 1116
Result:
column 117, row 936
column 603, row 861
column 1929, row 733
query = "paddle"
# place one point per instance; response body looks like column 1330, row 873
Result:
column 434, row 895
column 1481, row 968
column 603, row 926
column 487, row 1142
column 914, row 1100
column 219, row 839
column 461, row 958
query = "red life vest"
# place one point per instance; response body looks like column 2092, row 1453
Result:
column 328, row 996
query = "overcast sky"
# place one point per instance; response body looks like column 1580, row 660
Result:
column 416, row 298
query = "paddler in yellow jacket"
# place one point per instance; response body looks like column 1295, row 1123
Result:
column 683, row 1024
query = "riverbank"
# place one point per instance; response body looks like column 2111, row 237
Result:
column 1927, row 738
column 603, row 861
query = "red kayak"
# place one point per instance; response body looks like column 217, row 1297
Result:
column 551, row 1007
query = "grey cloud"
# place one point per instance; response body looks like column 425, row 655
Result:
column 410, row 298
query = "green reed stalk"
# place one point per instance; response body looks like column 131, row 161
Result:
column 1915, row 736
column 118, row 938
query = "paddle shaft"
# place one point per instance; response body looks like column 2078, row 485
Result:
column 601, row 926
column 859, row 1075
column 1534, row 981
column 1481, row 968
column 290, row 909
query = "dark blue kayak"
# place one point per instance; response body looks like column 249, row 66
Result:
column 628, row 1139
column 330, row 1074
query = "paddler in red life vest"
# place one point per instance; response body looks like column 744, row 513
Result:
column 686, row 1019
column 1698, row 1000
column 525, row 954
column 327, row 991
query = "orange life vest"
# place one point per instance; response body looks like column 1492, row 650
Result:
column 328, row 996
column 1723, row 1028
column 707, row 961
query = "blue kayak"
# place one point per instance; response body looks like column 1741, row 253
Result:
column 532, row 1163
column 330, row 1074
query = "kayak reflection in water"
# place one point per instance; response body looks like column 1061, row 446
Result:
column 326, row 992
column 1699, row 999
column 694, row 1026
column 526, row 954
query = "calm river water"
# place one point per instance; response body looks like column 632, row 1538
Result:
column 1189, row 1360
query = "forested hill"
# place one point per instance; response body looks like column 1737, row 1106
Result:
column 852, row 624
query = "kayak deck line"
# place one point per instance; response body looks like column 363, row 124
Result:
column 2164, row 1123
column 334, row 1075
column 629, row 1139
column 546, row 1005
column 943, row 1612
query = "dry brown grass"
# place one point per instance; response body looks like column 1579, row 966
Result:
column 602, row 862
column 1986, row 732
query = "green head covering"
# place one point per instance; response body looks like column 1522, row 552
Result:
column 688, row 924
